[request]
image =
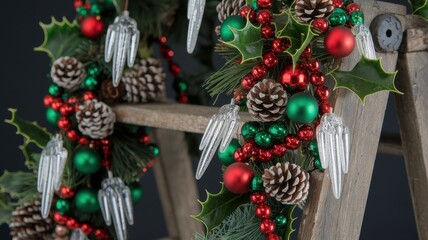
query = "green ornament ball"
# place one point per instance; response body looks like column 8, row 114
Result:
column 356, row 18
column 90, row 83
column 182, row 86
column 257, row 183
column 62, row 205
column 278, row 131
column 231, row 22
column 52, row 116
column 249, row 130
column 155, row 149
column 94, row 70
column 226, row 157
column 280, row 221
column 54, row 90
column 338, row 17
column 302, row 108
column 86, row 161
column 263, row 139
column 86, row 201
column 136, row 192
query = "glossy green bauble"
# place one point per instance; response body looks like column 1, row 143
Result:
column 280, row 221
column 155, row 149
column 236, row 22
column 257, row 183
column 86, row 161
column 52, row 116
column 90, row 83
column 278, row 131
column 94, row 70
column 226, row 157
column 302, row 108
column 182, row 86
column 263, row 139
column 62, row 205
column 356, row 18
column 136, row 192
column 54, row 90
column 338, row 17
column 249, row 130
column 86, row 201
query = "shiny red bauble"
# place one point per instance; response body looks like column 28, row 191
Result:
column 237, row 178
column 72, row 223
column 264, row 16
column 101, row 234
column 174, row 69
column 66, row 109
column 83, row 141
column 339, row 42
column 64, row 123
column 239, row 155
column 86, row 228
column 56, row 104
column 89, row 95
column 273, row 237
column 320, row 24
column 324, row 107
column 322, row 93
column 72, row 135
column 258, row 198
column 298, row 78
column 279, row 45
column 313, row 65
column 307, row 53
column 267, row 226
column 306, row 133
column 248, row 82
column 267, row 31
column 270, row 60
column 92, row 27
column 59, row 219
column 352, row 8
column 66, row 192
column 317, row 79
column 144, row 139
column 247, row 11
column 78, row 3
column 258, row 71
column 279, row 150
column 72, row 100
column 264, row 3
column 263, row 211
column 265, row 155
column 292, row 142
column 337, row 3
column 250, row 149
column 47, row 100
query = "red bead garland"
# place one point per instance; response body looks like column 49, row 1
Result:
column 306, row 133
column 263, row 211
column 267, row 226
column 292, row 142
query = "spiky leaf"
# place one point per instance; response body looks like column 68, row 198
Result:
column 290, row 220
column 5, row 211
column 31, row 131
column 367, row 77
column 420, row 7
column 219, row 206
column 31, row 159
column 61, row 38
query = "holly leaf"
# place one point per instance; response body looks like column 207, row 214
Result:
column 290, row 220
column 31, row 131
column 367, row 77
column 5, row 211
column 248, row 41
column 31, row 158
column 61, row 38
column 420, row 7
column 299, row 34
column 219, row 206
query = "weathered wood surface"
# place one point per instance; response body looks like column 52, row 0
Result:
column 412, row 109
column 326, row 217
column 415, row 38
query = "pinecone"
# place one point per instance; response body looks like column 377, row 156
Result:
column 144, row 82
column 95, row 119
column 68, row 72
column 110, row 93
column 28, row 224
column 287, row 182
column 266, row 101
column 227, row 8
column 308, row 10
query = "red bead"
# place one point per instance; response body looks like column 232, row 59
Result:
column 322, row 93
column 101, row 234
column 317, row 79
column 64, row 123
column 270, row 60
column 66, row 109
column 320, row 24
column 337, row 3
column 259, row 71
column 313, row 65
column 267, row 226
column 72, row 223
column 264, row 3
column 279, row 150
column 59, row 219
column 83, row 141
column 279, row 45
column 352, row 8
column 239, row 155
column 267, row 31
column 174, row 69
column 106, row 142
column 238, row 95
column 258, row 198
column 47, row 100
column 263, row 211
column 86, row 228
column 66, row 192
column 249, row 149
column 145, row 139
column 182, row 98
column 265, row 155
column 339, row 42
column 307, row 53
column 237, row 178
column 106, row 163
column 78, row 3
column 56, row 104
column 306, row 133
column 89, row 95
column 273, row 237
column 264, row 16
column 162, row 39
column 248, row 82
column 247, row 11
column 297, row 79
column 325, row 107
column 292, row 142
column 92, row 27
column 72, row 135
column 72, row 100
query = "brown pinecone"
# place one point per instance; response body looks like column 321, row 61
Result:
column 95, row 119
column 287, row 182
column 110, row 93
column 266, row 101
column 227, row 8
column 68, row 72
column 144, row 82
column 308, row 10
column 28, row 224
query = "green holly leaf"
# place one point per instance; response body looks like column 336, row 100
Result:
column 299, row 34
column 31, row 131
column 61, row 38
column 420, row 7
column 19, row 185
column 248, row 41
column 367, row 77
column 290, row 220
column 219, row 206
column 31, row 158
column 5, row 211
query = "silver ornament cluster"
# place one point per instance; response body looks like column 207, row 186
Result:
column 68, row 72
column 95, row 119
column 78, row 234
column 364, row 40
column 195, row 13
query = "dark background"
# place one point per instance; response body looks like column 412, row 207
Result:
column 388, row 215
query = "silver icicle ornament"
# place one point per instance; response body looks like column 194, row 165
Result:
column 364, row 40
column 121, row 44
column 78, row 234
column 51, row 168
column 116, row 204
column 219, row 132
column 334, row 148
column 195, row 13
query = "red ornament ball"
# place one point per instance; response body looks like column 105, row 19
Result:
column 320, row 24
column 247, row 11
column 273, row 237
column 237, row 178
column 292, row 142
column 352, row 8
column 279, row 45
column 239, row 155
column 101, row 234
column 325, row 107
column 263, row 211
column 66, row 109
column 337, row 3
column 144, row 139
column 72, row 135
column 78, row 3
column 322, row 93
column 267, row 31
column 72, row 223
column 56, row 104
column 306, row 133
column 279, row 150
column 298, row 79
column 307, row 53
column 92, row 27
column 264, row 3
column 59, row 219
column 259, row 71
column 47, row 100
column 86, row 228
column 258, row 198
column 339, row 42
column 313, row 65
column 265, row 155
column 249, row 149
column 267, row 226
column 83, row 141
column 270, row 60
column 248, row 82
column 264, row 16
column 72, row 100
column 317, row 79
column 66, row 192
column 64, row 123
column 89, row 95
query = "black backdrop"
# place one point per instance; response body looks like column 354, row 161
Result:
column 24, row 80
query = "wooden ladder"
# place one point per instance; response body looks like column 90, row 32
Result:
column 324, row 217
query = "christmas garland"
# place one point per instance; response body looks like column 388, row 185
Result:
column 279, row 56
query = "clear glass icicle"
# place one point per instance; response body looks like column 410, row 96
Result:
column 195, row 13
column 78, row 234
column 364, row 40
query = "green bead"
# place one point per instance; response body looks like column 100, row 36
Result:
column 155, row 149
column 62, row 205
column 338, row 17
column 302, row 108
column 54, row 90
column 82, row 12
column 236, row 22
column 86, row 201
column 86, row 161
column 249, row 130
column 313, row 147
column 356, row 18
column 136, row 192
column 317, row 164
column 257, row 183
column 94, row 70
column 278, row 131
column 52, row 116
column 90, row 83
column 263, row 139
column 280, row 221
column 254, row 5
column 226, row 157
column 95, row 9
column 182, row 86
